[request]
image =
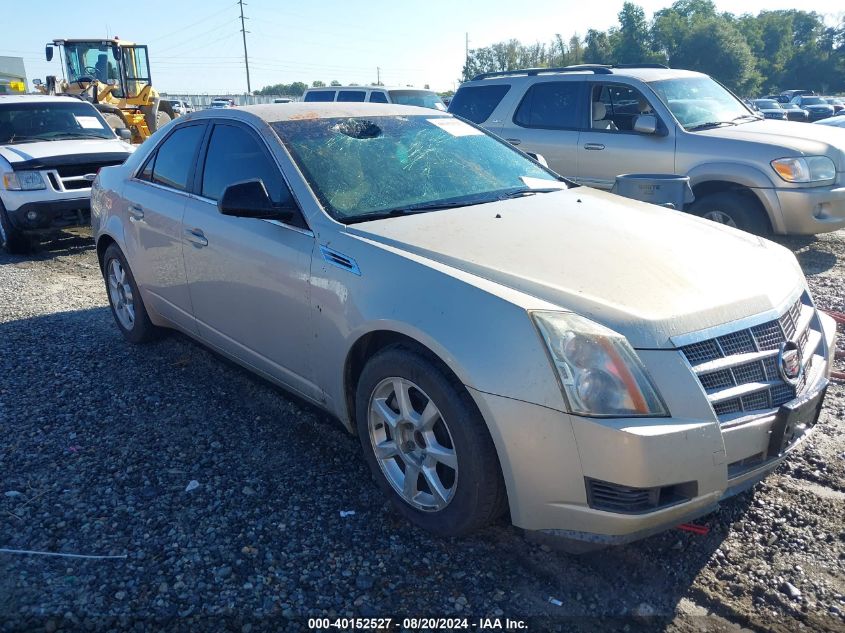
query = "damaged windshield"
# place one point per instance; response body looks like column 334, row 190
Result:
column 365, row 168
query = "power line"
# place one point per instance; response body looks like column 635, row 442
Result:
column 246, row 57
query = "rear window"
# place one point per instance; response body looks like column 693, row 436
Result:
column 320, row 95
column 419, row 98
column 476, row 103
column 378, row 97
column 351, row 95
column 550, row 105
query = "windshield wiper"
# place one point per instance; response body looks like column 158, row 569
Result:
column 527, row 191
column 71, row 135
column 22, row 139
column 756, row 117
column 413, row 209
column 708, row 125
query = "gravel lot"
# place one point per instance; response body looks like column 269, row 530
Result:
column 101, row 439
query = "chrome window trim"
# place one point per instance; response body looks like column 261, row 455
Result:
column 162, row 187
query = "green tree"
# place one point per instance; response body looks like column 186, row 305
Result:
column 631, row 40
column 597, row 49
column 335, row 82
column 317, row 84
column 717, row 48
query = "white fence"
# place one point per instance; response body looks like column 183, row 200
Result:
column 204, row 100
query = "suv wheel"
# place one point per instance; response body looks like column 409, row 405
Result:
column 426, row 444
column 126, row 303
column 732, row 209
column 12, row 241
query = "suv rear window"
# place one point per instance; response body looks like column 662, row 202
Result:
column 351, row 95
column 476, row 103
column 320, row 95
column 549, row 105
column 376, row 96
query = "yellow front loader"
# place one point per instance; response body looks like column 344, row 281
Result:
column 114, row 75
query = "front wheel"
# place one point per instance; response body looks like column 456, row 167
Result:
column 11, row 240
column 734, row 210
column 127, row 306
column 426, row 444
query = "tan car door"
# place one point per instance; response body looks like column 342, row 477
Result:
column 249, row 278
column 608, row 145
column 547, row 122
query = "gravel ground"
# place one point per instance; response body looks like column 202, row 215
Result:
column 101, row 440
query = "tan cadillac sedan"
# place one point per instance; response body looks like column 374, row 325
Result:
column 498, row 338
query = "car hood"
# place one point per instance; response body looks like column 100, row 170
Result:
column 644, row 271
column 30, row 155
column 788, row 135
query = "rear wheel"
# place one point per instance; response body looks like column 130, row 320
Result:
column 732, row 209
column 426, row 444
column 114, row 121
column 127, row 306
column 12, row 241
column 162, row 119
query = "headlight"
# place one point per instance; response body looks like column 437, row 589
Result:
column 600, row 372
column 805, row 169
column 23, row 181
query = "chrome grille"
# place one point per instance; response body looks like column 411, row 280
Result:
column 739, row 370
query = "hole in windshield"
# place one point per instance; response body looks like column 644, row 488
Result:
column 357, row 128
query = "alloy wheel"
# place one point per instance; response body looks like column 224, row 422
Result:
column 120, row 293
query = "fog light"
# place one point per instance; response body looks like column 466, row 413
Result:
column 32, row 216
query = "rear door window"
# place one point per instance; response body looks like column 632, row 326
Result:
column 351, row 95
column 551, row 105
column 176, row 157
column 378, row 97
column 476, row 103
column 320, row 95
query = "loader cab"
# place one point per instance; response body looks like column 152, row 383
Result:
column 110, row 62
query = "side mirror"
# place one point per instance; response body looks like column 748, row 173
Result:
column 249, row 199
column 37, row 82
column 646, row 124
column 48, row 52
column 124, row 133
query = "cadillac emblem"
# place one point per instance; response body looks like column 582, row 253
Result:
column 789, row 362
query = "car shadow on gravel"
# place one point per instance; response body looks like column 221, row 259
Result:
column 228, row 496
column 66, row 243
column 810, row 251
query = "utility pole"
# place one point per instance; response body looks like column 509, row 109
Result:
column 378, row 76
column 246, row 57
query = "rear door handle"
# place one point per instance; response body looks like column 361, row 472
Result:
column 514, row 141
column 594, row 146
column 196, row 237
column 136, row 213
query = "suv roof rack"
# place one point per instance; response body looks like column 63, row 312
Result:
column 598, row 69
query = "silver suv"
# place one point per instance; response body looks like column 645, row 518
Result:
column 594, row 122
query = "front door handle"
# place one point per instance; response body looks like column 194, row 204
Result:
column 514, row 141
column 136, row 213
column 196, row 237
column 594, row 146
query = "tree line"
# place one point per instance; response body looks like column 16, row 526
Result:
column 751, row 54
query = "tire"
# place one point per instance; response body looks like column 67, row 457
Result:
column 472, row 492
column 12, row 241
column 114, row 121
column 733, row 209
column 138, row 329
column 162, row 119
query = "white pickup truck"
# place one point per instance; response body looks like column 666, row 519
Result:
column 51, row 149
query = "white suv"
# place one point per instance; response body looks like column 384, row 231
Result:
column 51, row 149
column 376, row 94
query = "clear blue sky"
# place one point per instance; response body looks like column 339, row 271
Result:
column 195, row 45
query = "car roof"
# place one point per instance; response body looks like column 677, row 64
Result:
column 386, row 88
column 643, row 73
column 37, row 98
column 273, row 112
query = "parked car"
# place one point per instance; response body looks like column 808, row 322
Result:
column 220, row 103
column 450, row 301
column 180, row 107
column 836, row 121
column 837, row 103
column 50, row 150
column 794, row 113
column 817, row 107
column 789, row 95
column 769, row 108
column 282, row 100
column 593, row 123
column 376, row 94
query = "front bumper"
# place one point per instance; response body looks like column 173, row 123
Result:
column 547, row 457
column 812, row 210
column 50, row 215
